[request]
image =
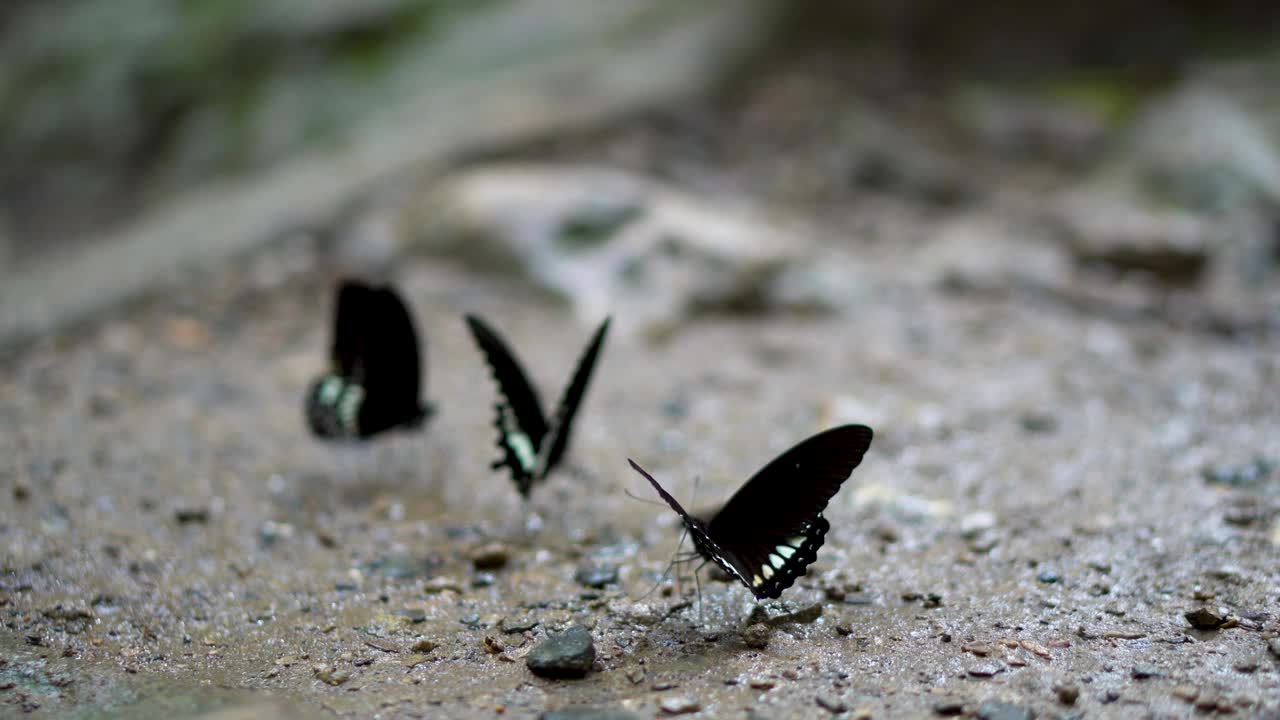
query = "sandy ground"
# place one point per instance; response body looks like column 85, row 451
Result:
column 1053, row 486
column 1033, row 520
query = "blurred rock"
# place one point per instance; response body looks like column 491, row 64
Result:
column 984, row 253
column 1100, row 228
column 569, row 654
column 1021, row 125
column 1206, row 152
column 883, row 157
column 607, row 241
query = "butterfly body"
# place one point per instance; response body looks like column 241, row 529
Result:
column 531, row 443
column 770, row 531
column 375, row 374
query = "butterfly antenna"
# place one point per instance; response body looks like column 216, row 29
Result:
column 698, row 584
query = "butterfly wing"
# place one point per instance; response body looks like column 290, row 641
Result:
column 702, row 540
column 357, row 303
column 557, row 441
column 772, row 527
column 520, row 422
column 391, row 367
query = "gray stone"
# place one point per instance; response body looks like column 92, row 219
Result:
column 569, row 654
column 595, row 575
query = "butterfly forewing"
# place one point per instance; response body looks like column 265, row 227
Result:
column 558, row 439
column 391, row 368
column 351, row 329
column 520, row 422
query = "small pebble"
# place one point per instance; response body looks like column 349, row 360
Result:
column 985, row 670
column 663, row 685
column 1274, row 647
column 1206, row 618
column 761, row 683
column 679, row 705
column 594, row 575
column 1067, row 693
column 413, row 615
column 835, row 706
column 569, row 654
column 330, row 675
column 424, row 645
column 188, row 516
column 442, row 584
column 756, row 636
column 1142, row 672
column 1247, row 667
column 948, row 707
column 1185, row 692
column 491, row 556
column 518, row 625
column 1048, row 577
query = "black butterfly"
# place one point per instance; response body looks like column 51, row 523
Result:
column 771, row 529
column 375, row 372
column 531, row 444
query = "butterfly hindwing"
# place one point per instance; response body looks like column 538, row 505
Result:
column 520, row 422
column 558, row 439
column 771, row 529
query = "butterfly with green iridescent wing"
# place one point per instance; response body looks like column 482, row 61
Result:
column 531, row 443
column 375, row 374
column 771, row 529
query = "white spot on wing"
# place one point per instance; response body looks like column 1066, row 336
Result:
column 766, row 571
column 776, row 561
column 786, row 551
column 523, row 448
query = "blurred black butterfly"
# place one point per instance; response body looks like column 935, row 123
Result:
column 375, row 373
column 771, row 529
column 531, row 444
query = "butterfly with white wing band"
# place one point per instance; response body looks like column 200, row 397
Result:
column 532, row 445
column 771, row 529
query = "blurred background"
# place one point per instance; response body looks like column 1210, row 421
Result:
column 1033, row 245
column 139, row 137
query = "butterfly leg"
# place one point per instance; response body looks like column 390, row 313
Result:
column 698, row 584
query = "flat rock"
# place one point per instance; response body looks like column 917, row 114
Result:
column 1206, row 618
column 605, row 240
column 569, row 654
